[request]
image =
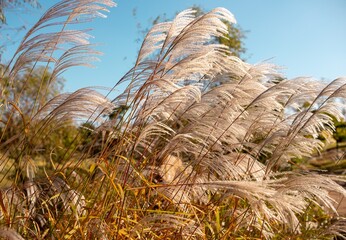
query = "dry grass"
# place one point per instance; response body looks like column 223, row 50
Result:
column 195, row 147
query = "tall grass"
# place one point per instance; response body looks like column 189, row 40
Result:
column 198, row 146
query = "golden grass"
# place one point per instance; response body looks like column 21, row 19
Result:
column 195, row 147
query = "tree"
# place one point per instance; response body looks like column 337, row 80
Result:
column 11, row 4
column 31, row 89
column 20, row 138
column 5, row 31
column 234, row 40
column 27, row 93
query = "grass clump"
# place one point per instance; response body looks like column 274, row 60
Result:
column 194, row 148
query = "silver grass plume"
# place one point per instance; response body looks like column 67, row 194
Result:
column 160, row 223
column 59, row 49
column 10, row 234
column 206, row 122
column 83, row 104
column 32, row 201
column 72, row 200
column 210, row 139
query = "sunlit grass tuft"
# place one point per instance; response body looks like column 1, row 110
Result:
column 200, row 145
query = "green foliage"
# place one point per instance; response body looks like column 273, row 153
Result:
column 7, row 29
column 33, row 88
column 340, row 131
column 234, row 40
column 10, row 4
column 23, row 97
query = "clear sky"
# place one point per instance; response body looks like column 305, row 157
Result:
column 305, row 37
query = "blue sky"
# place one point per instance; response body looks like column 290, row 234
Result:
column 305, row 37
